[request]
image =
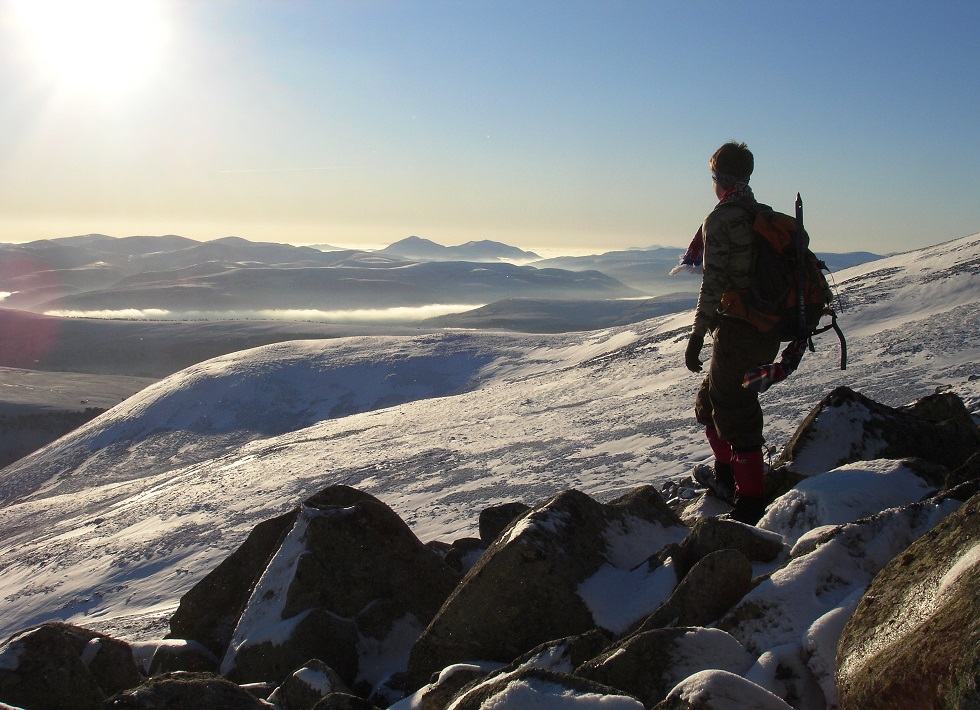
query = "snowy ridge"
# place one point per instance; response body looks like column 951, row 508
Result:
column 110, row 525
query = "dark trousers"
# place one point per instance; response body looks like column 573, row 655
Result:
column 721, row 401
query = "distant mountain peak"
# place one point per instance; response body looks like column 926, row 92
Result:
column 482, row 250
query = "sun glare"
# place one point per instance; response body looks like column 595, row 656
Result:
column 94, row 44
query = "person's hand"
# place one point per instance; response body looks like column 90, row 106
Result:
column 692, row 354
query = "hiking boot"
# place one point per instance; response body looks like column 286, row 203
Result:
column 748, row 510
column 718, row 480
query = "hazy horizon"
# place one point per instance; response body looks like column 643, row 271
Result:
column 545, row 252
column 562, row 124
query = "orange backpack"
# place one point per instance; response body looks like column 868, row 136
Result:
column 789, row 293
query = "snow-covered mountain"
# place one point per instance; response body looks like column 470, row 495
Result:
column 222, row 278
column 99, row 273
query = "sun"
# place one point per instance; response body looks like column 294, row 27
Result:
column 94, row 44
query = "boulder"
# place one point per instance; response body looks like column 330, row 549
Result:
column 563, row 655
column 58, row 665
column 835, row 565
column 307, row 686
column 464, row 553
column 648, row 665
column 536, row 687
column 344, row 701
column 262, row 691
column 846, row 426
column 914, row 639
column 720, row 690
column 851, row 492
column 109, row 660
column 209, row 611
column 181, row 655
column 715, row 584
column 349, row 575
column 969, row 471
column 497, row 518
column 939, row 408
column 271, row 654
column 439, row 693
column 527, row 588
column 712, row 534
column 185, row 690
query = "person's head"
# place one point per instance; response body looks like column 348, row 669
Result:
column 731, row 163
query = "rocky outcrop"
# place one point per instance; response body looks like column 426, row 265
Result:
column 348, row 575
column 914, row 639
column 648, row 665
column 209, row 611
column 58, row 665
column 835, row 567
column 338, row 606
column 534, row 687
column 185, row 690
column 712, row 587
column 847, row 426
column 719, row 690
column 527, row 587
column 307, row 686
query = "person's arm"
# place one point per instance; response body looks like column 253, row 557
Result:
column 713, row 284
column 717, row 249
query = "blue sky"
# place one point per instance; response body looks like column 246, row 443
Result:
column 554, row 125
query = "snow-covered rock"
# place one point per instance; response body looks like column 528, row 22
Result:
column 913, row 639
column 829, row 569
column 60, row 665
column 649, row 665
column 720, row 690
column 565, row 567
column 851, row 492
column 349, row 584
column 187, row 690
column 848, row 426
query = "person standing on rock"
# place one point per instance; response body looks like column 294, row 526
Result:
column 730, row 413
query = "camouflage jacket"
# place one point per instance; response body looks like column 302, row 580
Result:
column 729, row 258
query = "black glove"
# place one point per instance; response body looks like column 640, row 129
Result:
column 692, row 354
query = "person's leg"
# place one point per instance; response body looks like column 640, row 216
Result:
column 719, row 478
column 748, row 472
column 736, row 412
column 722, row 450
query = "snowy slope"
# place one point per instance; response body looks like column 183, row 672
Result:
column 110, row 525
